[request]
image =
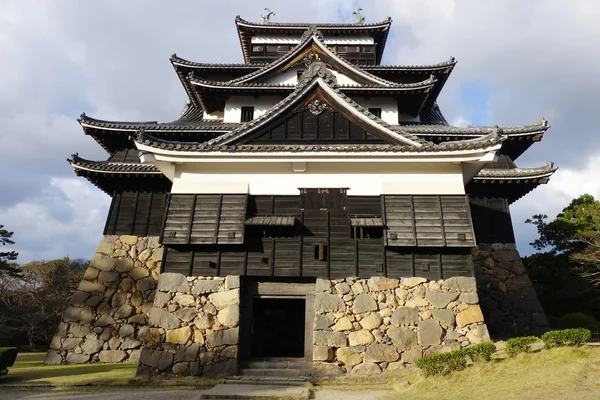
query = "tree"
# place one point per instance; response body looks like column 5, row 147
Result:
column 566, row 268
column 7, row 258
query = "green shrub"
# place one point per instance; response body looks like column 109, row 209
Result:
column 578, row 320
column 520, row 344
column 567, row 337
column 442, row 364
column 8, row 355
column 482, row 352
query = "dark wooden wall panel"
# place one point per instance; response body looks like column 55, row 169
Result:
column 259, row 259
column 127, row 212
column 427, row 265
column 370, row 256
column 232, row 263
column 286, row 260
column 399, row 219
column 177, row 223
column 491, row 220
column 456, row 265
column 399, row 262
column 342, row 247
column 178, row 261
column 364, row 205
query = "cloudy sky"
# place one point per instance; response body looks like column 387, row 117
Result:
column 519, row 61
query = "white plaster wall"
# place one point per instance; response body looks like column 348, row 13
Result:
column 279, row 178
column 389, row 107
column 290, row 77
column 214, row 115
column 234, row 104
column 272, row 39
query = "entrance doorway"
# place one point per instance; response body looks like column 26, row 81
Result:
column 276, row 329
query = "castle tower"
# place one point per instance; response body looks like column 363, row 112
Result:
column 309, row 209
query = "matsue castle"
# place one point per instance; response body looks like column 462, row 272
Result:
column 310, row 211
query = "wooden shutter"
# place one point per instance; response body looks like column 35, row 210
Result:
column 205, row 219
column 179, row 214
column 399, row 219
column 232, row 219
column 428, row 221
column 458, row 227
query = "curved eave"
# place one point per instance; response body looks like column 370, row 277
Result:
column 380, row 29
column 446, row 66
column 510, row 183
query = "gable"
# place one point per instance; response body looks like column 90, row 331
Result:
column 307, row 127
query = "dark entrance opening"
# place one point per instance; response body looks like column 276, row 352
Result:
column 278, row 327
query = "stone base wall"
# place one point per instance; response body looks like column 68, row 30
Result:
column 366, row 326
column 193, row 327
column 107, row 316
column 507, row 297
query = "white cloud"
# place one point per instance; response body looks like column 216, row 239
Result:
column 460, row 121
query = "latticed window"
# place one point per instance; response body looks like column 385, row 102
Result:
column 375, row 111
column 247, row 114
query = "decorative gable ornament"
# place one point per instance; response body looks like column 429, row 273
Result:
column 312, row 31
column 317, row 69
column 317, row 107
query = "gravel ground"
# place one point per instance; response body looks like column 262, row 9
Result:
column 191, row 394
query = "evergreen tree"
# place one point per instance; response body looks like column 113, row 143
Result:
column 7, row 258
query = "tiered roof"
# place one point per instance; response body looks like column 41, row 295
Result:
column 206, row 84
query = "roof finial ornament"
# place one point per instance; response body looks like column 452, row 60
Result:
column 359, row 16
column 266, row 17
column 311, row 31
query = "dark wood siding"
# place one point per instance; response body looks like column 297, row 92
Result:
column 321, row 243
column 491, row 220
column 306, row 127
column 135, row 213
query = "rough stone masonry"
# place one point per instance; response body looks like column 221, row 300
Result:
column 107, row 318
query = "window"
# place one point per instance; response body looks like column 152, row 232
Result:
column 376, row 112
column 367, row 232
column 247, row 114
column 258, row 49
column 320, row 252
column 272, row 232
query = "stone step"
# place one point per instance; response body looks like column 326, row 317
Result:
column 231, row 391
column 267, row 380
column 269, row 372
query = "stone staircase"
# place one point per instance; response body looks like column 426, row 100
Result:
column 262, row 384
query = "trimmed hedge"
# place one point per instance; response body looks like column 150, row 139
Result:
column 8, row 355
column 567, row 337
column 442, row 364
column 520, row 344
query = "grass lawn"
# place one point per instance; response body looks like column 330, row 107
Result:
column 562, row 373
column 29, row 369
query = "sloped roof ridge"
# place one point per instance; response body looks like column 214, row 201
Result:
column 110, row 166
column 386, row 22
column 451, row 62
column 182, row 61
column 439, row 128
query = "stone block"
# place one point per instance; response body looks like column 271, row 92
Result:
column 468, row 298
column 198, row 338
column 440, row 300
column 172, row 282
column 204, row 321
column 138, row 273
column 331, row 339
column 126, row 330
column 430, row 332
column 112, row 356
column 107, row 277
column 518, row 283
column 102, row 262
column 325, row 369
column 82, row 315
column 412, row 282
column 186, row 314
column 222, row 337
column 478, row 334
column 91, row 287
column 71, row 343
column 228, row 367
column 79, row 298
column 223, row 300
column 105, row 320
column 134, row 356
column 405, row 316
column 118, row 299
column 322, row 285
column 229, row 352
column 506, row 255
column 342, row 288
column 125, row 311
column 74, row 358
column 179, row 336
column 145, row 255
column 52, row 358
column 360, row 338
column 145, row 284
column 161, row 299
column 230, row 316
column 163, row 319
column 434, row 350
column 402, row 338
column 157, row 359
column 381, row 352
column 55, row 343
column 379, row 283
column 125, row 265
column 91, row 274
column 343, row 324
column 325, row 302
column 348, row 356
column 461, row 283
column 182, row 368
column 367, row 368
column 205, row 287
column 232, row 282
column 184, row 300
column 371, row 321
column 469, row 316
column 445, row 317
column 322, row 353
column 322, row 321
column 92, row 346
column 412, row 355
column 364, row 303
column 79, row 331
